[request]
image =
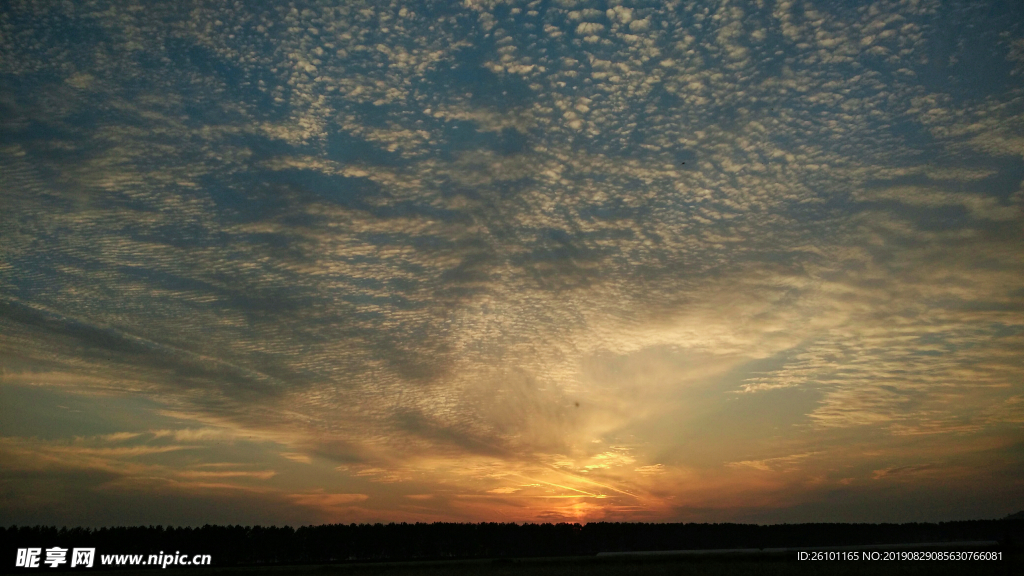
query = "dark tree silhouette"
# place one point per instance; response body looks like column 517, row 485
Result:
column 233, row 545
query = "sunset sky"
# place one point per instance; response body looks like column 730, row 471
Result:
column 560, row 260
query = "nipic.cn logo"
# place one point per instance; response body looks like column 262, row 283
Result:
column 85, row 557
column 56, row 556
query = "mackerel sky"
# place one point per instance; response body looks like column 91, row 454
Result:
column 305, row 262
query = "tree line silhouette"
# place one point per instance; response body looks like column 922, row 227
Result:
column 234, row 545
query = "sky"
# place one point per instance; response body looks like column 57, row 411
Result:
column 546, row 261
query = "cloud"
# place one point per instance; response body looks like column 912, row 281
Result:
column 503, row 490
column 652, row 470
column 779, row 463
column 322, row 500
column 903, row 471
column 452, row 248
column 982, row 207
column 297, row 457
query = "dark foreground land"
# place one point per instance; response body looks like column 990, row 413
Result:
column 766, row 565
column 445, row 549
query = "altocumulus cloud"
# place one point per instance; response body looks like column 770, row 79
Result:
column 512, row 260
